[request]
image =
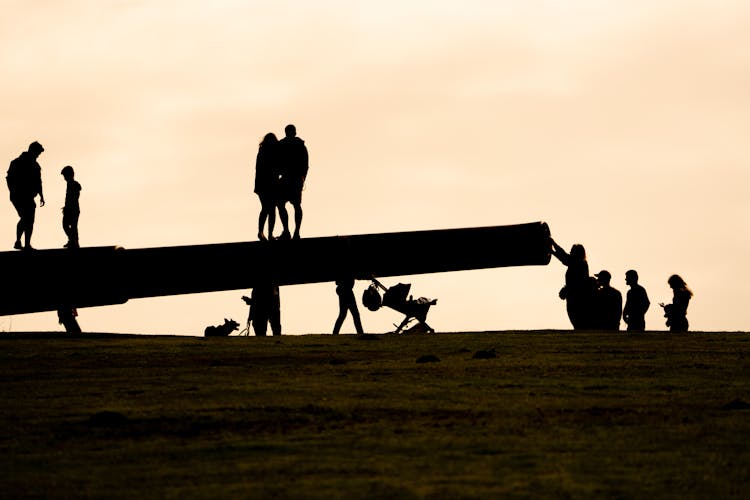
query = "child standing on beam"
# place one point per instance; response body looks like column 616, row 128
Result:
column 71, row 210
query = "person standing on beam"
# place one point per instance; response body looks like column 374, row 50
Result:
column 294, row 162
column 24, row 181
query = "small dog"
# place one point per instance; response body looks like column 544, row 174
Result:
column 224, row 330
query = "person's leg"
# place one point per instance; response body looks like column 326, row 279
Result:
column 267, row 211
column 19, row 233
column 74, row 326
column 637, row 325
column 342, row 315
column 271, row 218
column 261, row 222
column 259, row 326
column 66, row 225
column 22, row 210
column 74, row 228
column 19, row 225
column 297, row 219
column 355, row 314
column 275, row 321
column 29, row 225
column 284, row 216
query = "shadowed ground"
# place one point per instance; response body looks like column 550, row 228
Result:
column 462, row 415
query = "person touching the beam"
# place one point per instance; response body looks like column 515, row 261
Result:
column 578, row 292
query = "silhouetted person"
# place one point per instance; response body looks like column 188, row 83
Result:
column 347, row 303
column 71, row 210
column 267, row 183
column 676, row 312
column 636, row 304
column 24, row 180
column 579, row 287
column 608, row 303
column 66, row 316
column 265, row 308
column 294, row 166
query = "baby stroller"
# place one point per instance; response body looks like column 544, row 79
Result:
column 395, row 297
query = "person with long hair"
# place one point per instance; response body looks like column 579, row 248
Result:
column 267, row 183
column 676, row 312
column 578, row 292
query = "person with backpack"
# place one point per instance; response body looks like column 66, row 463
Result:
column 24, row 179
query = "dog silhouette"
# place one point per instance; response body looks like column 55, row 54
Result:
column 224, row 330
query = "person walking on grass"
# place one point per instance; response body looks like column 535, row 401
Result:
column 347, row 303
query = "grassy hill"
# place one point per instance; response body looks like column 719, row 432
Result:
column 453, row 415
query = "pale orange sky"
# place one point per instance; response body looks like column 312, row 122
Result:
column 623, row 125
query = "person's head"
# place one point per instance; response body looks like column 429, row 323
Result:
column 35, row 149
column 290, row 130
column 631, row 277
column 677, row 283
column 67, row 172
column 269, row 138
column 603, row 277
column 578, row 252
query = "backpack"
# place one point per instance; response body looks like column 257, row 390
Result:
column 12, row 176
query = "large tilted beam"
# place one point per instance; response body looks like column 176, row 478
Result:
column 47, row 280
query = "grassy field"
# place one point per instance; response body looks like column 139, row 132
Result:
column 453, row 415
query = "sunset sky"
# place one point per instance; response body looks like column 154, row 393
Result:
column 625, row 125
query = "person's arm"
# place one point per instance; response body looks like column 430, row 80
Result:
column 305, row 163
column 558, row 252
column 249, row 302
column 41, row 192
